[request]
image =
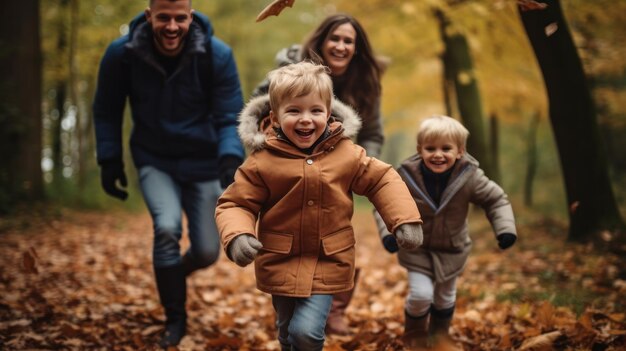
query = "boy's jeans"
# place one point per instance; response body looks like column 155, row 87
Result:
column 166, row 199
column 301, row 321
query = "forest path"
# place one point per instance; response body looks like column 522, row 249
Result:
column 84, row 280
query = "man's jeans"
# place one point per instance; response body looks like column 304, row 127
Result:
column 301, row 321
column 166, row 199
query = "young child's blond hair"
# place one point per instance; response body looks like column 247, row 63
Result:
column 299, row 79
column 442, row 127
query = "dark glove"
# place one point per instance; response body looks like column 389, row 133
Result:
column 227, row 167
column 110, row 173
column 390, row 243
column 506, row 240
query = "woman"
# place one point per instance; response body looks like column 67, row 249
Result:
column 340, row 42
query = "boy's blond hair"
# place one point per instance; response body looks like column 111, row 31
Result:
column 442, row 127
column 299, row 79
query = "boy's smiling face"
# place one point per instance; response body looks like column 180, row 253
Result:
column 302, row 119
column 440, row 154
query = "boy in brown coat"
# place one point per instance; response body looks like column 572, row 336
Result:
column 290, row 206
column 443, row 180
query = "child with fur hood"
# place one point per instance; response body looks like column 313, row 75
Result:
column 290, row 206
column 443, row 180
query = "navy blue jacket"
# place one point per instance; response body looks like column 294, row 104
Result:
column 181, row 124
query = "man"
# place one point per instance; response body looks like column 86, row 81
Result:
column 184, row 93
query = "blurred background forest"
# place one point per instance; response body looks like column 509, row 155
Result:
column 410, row 34
column 554, row 142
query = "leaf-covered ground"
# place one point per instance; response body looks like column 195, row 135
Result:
column 83, row 281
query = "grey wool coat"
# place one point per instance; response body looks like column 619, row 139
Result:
column 447, row 243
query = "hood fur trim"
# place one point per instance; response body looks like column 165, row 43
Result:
column 253, row 134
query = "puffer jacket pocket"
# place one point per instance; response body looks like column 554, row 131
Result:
column 339, row 255
column 459, row 242
column 272, row 263
column 276, row 242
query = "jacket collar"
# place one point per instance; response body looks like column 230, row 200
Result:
column 256, row 133
column 411, row 171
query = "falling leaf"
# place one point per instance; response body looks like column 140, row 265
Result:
column 274, row 9
column 529, row 5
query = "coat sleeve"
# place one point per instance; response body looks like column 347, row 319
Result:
column 226, row 99
column 239, row 206
column 494, row 201
column 371, row 136
column 382, row 185
column 109, row 102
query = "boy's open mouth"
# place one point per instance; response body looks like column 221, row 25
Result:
column 305, row 133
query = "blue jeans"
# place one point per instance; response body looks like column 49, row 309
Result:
column 301, row 321
column 166, row 199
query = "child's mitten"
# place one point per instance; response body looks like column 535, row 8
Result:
column 390, row 243
column 409, row 235
column 506, row 240
column 243, row 249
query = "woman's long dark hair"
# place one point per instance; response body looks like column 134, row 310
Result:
column 361, row 81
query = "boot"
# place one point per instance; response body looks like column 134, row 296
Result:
column 336, row 322
column 415, row 331
column 440, row 328
column 188, row 265
column 172, row 286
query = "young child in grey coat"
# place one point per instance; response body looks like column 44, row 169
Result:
column 443, row 180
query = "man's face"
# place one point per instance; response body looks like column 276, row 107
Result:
column 170, row 22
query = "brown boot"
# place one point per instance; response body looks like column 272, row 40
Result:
column 415, row 331
column 440, row 329
column 336, row 322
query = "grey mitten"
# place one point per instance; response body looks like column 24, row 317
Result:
column 243, row 249
column 409, row 235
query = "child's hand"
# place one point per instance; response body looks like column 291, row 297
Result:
column 390, row 243
column 409, row 235
column 243, row 249
column 506, row 240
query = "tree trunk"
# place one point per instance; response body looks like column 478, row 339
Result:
column 531, row 159
column 494, row 141
column 447, row 79
column 592, row 206
column 468, row 99
column 77, row 155
column 20, row 100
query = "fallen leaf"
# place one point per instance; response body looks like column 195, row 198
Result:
column 541, row 342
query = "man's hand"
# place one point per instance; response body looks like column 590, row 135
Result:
column 409, row 235
column 227, row 167
column 243, row 249
column 110, row 174
column 506, row 240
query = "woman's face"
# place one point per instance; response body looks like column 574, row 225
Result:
column 338, row 48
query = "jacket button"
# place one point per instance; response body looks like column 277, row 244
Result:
column 310, row 203
column 309, row 161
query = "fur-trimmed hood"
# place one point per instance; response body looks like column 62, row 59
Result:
column 253, row 124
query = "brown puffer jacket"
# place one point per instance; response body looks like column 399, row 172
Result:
column 300, row 206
